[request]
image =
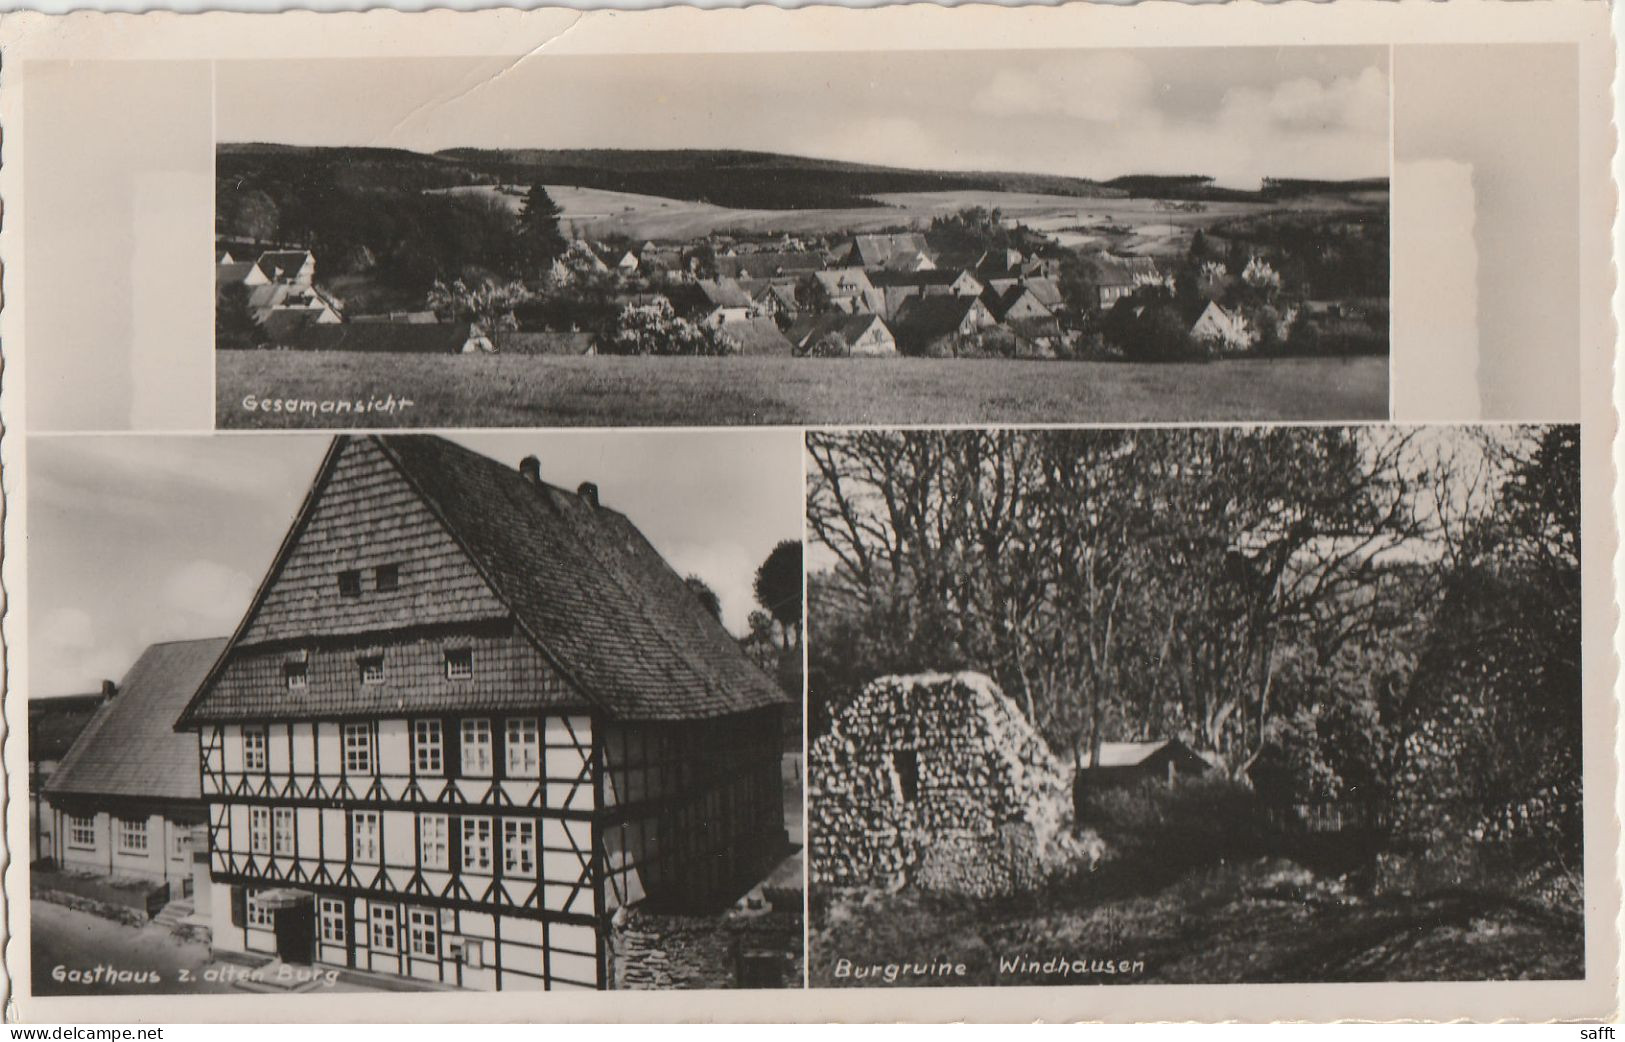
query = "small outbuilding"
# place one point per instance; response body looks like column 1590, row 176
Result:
column 1122, row 764
column 127, row 797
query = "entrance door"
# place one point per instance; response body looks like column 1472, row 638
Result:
column 296, row 933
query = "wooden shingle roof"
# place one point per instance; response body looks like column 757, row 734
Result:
column 588, row 587
column 583, row 584
column 130, row 747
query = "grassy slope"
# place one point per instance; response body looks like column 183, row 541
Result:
column 1228, row 924
column 511, row 391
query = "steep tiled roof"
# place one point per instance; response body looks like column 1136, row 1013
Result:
column 232, row 273
column 282, row 264
column 584, row 586
column 928, row 277
column 925, row 317
column 130, row 748
column 811, row 328
column 589, row 587
column 758, row 336
column 724, row 293
column 768, row 264
column 1111, row 269
column 877, row 250
column 844, row 281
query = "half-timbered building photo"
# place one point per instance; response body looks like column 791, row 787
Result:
column 471, row 728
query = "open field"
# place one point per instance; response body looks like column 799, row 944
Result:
column 1262, row 921
column 525, row 391
column 598, row 212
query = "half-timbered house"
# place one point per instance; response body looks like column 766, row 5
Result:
column 467, row 717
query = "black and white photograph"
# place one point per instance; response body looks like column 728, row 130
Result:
column 407, row 712
column 906, row 514
column 1110, row 235
column 1220, row 705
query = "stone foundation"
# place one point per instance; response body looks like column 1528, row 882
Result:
column 652, row 951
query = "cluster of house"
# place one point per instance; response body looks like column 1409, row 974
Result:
column 467, row 718
column 282, row 292
column 871, row 295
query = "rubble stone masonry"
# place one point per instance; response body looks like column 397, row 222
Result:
column 938, row 781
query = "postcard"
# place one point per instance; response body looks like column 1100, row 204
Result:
column 1103, row 513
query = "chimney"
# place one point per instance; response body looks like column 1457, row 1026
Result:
column 109, row 689
column 531, row 469
column 589, row 492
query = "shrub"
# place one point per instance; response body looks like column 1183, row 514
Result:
column 1193, row 822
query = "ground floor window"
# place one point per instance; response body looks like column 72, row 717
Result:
column 333, row 921
column 132, row 836
column 81, row 832
column 383, row 928
column 259, row 915
column 425, row 932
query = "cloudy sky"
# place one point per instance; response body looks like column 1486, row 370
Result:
column 140, row 539
column 1236, row 114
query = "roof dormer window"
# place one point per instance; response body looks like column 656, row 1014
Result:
column 372, row 669
column 387, row 577
column 350, row 583
column 297, row 674
column 459, row 663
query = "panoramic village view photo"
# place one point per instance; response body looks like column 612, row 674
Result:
column 1218, row 705
column 401, row 712
column 847, row 237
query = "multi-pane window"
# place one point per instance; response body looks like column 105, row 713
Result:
column 357, row 749
column 132, row 835
column 372, row 669
column 282, row 830
column 259, row 914
column 387, row 576
column 477, row 748
column 333, row 921
column 518, row 847
column 459, row 663
column 297, row 674
column 434, row 834
column 477, row 845
column 424, row 927
column 364, row 836
column 349, row 584
column 426, row 746
column 259, row 830
column 253, row 748
column 524, row 748
column 383, row 928
column 81, row 831
column 181, row 842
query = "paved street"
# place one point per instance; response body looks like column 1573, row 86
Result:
column 109, row 958
column 76, row 953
